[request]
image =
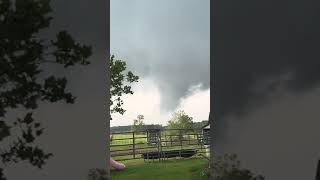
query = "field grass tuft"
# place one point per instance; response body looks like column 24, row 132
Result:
column 172, row 169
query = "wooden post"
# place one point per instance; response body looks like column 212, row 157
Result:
column 181, row 137
column 165, row 138
column 160, row 145
column 147, row 137
column 200, row 143
column 133, row 146
column 198, row 139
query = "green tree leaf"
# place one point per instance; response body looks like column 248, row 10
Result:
column 22, row 54
column 120, row 84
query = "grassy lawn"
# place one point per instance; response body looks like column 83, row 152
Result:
column 139, row 138
column 175, row 169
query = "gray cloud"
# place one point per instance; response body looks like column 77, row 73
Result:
column 168, row 40
column 280, row 138
column 259, row 41
column 266, row 81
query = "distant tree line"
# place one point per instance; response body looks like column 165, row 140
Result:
column 199, row 125
column 120, row 129
column 138, row 124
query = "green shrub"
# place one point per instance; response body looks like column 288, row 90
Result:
column 227, row 167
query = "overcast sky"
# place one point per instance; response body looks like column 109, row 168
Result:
column 166, row 43
column 267, row 79
column 266, row 72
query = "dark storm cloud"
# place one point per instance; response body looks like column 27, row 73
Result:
column 168, row 40
column 266, row 79
column 75, row 134
column 256, row 42
column 279, row 139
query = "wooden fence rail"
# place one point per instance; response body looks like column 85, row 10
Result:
column 165, row 140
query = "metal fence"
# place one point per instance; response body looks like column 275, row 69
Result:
column 131, row 145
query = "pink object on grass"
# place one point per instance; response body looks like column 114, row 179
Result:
column 118, row 166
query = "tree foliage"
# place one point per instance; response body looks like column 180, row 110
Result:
column 22, row 54
column 227, row 167
column 121, row 129
column 200, row 125
column 120, row 84
column 179, row 120
column 138, row 124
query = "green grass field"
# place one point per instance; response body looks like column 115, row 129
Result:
column 139, row 138
column 127, row 138
column 173, row 169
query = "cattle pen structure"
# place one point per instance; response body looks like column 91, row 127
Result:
column 158, row 144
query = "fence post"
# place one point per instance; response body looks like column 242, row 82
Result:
column 198, row 141
column 165, row 138
column 181, row 137
column 133, row 146
column 160, row 146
